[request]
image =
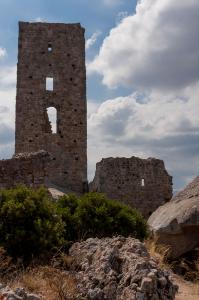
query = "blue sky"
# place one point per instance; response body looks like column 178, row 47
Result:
column 142, row 77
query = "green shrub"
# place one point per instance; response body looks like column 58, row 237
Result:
column 32, row 224
column 29, row 223
column 93, row 215
column 67, row 206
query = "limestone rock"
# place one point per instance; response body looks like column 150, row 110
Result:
column 119, row 269
column 17, row 294
column 176, row 223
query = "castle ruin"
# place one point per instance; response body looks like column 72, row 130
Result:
column 51, row 74
column 140, row 183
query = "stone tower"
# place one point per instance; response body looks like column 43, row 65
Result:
column 51, row 74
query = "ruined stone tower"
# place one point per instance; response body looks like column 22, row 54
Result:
column 51, row 73
column 141, row 183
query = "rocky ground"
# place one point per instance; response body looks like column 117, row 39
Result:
column 120, row 269
column 17, row 294
column 101, row 269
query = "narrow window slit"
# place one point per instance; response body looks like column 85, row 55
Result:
column 142, row 182
column 50, row 49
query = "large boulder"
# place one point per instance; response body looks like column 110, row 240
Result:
column 176, row 224
column 119, row 269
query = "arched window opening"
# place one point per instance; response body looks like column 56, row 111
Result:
column 52, row 117
column 142, row 182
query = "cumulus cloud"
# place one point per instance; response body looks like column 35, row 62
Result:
column 6, row 134
column 7, row 110
column 121, row 15
column 8, row 77
column 92, row 107
column 4, row 109
column 2, row 52
column 149, row 125
column 92, row 40
column 157, row 47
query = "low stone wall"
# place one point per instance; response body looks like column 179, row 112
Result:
column 25, row 168
column 140, row 183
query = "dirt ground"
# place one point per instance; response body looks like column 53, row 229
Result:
column 187, row 290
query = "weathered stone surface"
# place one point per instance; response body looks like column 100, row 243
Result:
column 17, row 294
column 53, row 51
column 176, row 223
column 26, row 168
column 141, row 183
column 119, row 269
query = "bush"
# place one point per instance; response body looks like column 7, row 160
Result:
column 32, row 224
column 93, row 215
column 67, row 206
column 29, row 223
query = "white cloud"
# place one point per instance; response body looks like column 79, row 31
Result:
column 8, row 77
column 3, row 52
column 155, row 52
column 7, row 110
column 92, row 107
column 157, row 47
column 92, row 40
column 120, row 16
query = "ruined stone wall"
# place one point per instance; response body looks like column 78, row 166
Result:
column 26, row 168
column 55, row 51
column 140, row 183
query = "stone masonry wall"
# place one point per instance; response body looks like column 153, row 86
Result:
column 140, row 183
column 26, row 168
column 55, row 51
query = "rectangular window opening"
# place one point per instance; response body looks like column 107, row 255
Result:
column 49, row 84
column 50, row 49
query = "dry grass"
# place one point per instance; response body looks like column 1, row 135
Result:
column 52, row 282
column 49, row 282
column 159, row 252
column 8, row 269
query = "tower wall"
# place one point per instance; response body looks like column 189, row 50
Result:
column 55, row 51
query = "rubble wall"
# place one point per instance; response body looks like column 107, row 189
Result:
column 26, row 168
column 141, row 183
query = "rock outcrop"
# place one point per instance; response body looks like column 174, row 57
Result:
column 18, row 294
column 119, row 269
column 141, row 183
column 176, row 223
